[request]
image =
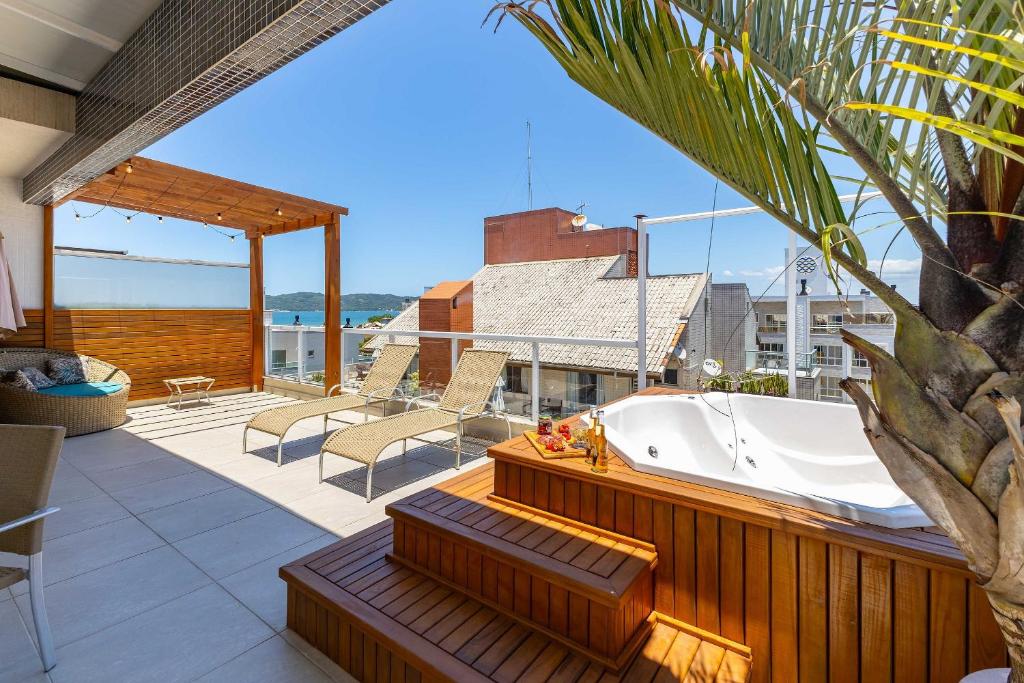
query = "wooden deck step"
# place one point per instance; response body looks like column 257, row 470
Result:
column 382, row 621
column 587, row 586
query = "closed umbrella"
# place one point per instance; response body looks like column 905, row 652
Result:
column 11, row 315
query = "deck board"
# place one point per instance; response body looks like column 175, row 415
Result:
column 420, row 622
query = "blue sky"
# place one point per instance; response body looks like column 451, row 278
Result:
column 415, row 120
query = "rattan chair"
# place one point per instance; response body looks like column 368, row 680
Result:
column 27, row 463
column 380, row 386
column 465, row 398
column 77, row 414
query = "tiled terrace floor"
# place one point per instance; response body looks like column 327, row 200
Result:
column 162, row 564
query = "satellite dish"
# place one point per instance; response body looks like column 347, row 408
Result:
column 579, row 220
column 682, row 354
column 712, row 367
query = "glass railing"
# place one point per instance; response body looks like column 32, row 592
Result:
column 779, row 361
column 772, row 328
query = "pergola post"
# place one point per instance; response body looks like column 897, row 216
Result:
column 332, row 302
column 256, row 309
column 48, row 335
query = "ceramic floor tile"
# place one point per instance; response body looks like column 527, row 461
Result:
column 261, row 589
column 236, row 546
column 109, row 450
column 178, row 641
column 70, row 485
column 83, row 514
column 197, row 515
column 272, row 661
column 93, row 601
column 91, row 549
column 158, row 494
column 15, row 642
column 143, row 473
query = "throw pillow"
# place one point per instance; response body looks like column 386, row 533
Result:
column 38, row 378
column 66, row 370
column 18, row 380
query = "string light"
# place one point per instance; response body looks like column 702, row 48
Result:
column 159, row 219
column 127, row 219
column 78, row 217
column 219, row 217
column 128, row 169
column 278, row 211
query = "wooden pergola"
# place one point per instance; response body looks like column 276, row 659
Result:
column 169, row 191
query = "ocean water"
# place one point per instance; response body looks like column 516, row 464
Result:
column 317, row 317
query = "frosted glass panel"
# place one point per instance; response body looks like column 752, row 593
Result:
column 111, row 282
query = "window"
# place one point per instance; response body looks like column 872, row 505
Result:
column 879, row 319
column 828, row 355
column 671, row 376
column 771, row 347
column 583, row 388
column 770, row 354
column 771, row 322
column 829, row 389
column 278, row 359
column 514, row 379
column 826, row 323
column 859, row 360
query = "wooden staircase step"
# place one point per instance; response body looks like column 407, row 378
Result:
column 590, row 587
column 380, row 620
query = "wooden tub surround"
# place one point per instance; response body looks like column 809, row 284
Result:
column 535, row 570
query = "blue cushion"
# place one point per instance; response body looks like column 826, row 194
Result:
column 83, row 389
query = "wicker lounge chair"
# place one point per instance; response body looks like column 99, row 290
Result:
column 465, row 398
column 27, row 463
column 77, row 414
column 380, row 386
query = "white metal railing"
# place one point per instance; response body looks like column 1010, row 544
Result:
column 455, row 337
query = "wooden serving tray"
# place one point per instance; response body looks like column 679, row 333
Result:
column 569, row 452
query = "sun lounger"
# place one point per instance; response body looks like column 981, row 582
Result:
column 380, row 386
column 465, row 398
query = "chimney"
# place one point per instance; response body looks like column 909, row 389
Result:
column 448, row 307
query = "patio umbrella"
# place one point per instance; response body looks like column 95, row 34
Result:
column 11, row 315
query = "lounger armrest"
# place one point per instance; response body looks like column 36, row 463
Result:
column 330, row 392
column 463, row 409
column 28, row 519
column 417, row 399
column 385, row 394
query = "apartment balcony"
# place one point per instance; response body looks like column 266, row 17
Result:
column 778, row 361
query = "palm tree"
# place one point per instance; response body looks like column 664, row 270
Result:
column 925, row 99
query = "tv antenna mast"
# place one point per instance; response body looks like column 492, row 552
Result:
column 529, row 165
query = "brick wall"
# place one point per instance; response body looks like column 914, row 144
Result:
column 548, row 234
column 448, row 307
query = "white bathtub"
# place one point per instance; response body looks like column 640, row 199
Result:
column 805, row 453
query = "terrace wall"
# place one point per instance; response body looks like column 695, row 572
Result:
column 152, row 345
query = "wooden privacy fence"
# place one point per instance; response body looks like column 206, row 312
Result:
column 151, row 345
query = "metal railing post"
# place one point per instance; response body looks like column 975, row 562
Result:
column 535, row 382
column 641, row 302
column 342, row 376
column 455, row 353
column 300, row 350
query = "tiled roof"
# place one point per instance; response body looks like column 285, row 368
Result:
column 573, row 298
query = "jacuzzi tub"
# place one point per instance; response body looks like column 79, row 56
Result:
column 805, row 453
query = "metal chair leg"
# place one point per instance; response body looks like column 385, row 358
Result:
column 325, row 425
column 369, row 477
column 458, row 446
column 35, row 589
column 405, row 446
column 321, row 467
column 280, row 445
column 245, row 437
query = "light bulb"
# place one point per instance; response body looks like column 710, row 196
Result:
column 278, row 212
column 232, row 238
column 128, row 169
column 77, row 217
column 219, row 217
column 159, row 219
column 127, row 219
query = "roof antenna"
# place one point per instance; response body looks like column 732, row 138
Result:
column 529, row 165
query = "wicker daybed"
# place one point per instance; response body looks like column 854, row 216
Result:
column 77, row 414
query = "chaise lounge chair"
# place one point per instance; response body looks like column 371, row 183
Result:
column 465, row 398
column 380, row 386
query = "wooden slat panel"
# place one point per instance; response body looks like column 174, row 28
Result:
column 813, row 611
column 984, row 646
column 910, row 623
column 784, row 591
column 844, row 618
column 151, row 345
column 948, row 627
column 757, row 567
column 875, row 618
column 731, row 581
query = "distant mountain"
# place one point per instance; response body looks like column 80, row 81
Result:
column 314, row 301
